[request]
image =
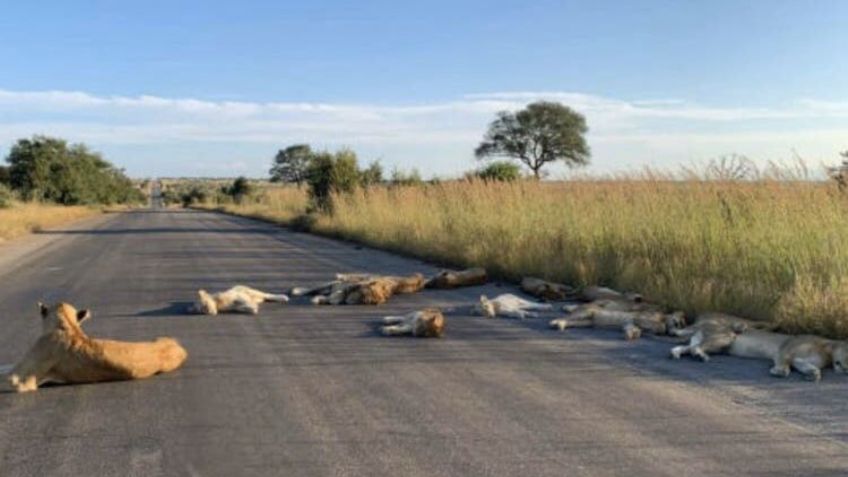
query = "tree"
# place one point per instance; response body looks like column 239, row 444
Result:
column 291, row 164
column 45, row 168
column 542, row 132
column 500, row 171
column 372, row 175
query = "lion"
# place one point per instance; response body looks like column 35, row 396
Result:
column 718, row 333
column 595, row 293
column 809, row 355
column 427, row 323
column 546, row 290
column 65, row 354
column 510, row 306
column 632, row 318
column 238, row 299
column 362, row 289
column 452, row 279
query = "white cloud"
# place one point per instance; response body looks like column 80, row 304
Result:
column 623, row 133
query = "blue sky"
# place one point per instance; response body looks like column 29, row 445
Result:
column 214, row 88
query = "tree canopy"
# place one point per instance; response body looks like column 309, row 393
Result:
column 541, row 133
column 291, row 164
column 48, row 169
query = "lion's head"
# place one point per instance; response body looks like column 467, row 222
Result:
column 204, row 304
column 62, row 316
column 432, row 324
column 485, row 307
column 675, row 321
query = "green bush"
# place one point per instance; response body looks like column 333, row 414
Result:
column 500, row 171
column 401, row 178
column 6, row 196
column 332, row 173
column 48, row 169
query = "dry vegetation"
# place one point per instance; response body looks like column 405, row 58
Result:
column 24, row 218
column 767, row 249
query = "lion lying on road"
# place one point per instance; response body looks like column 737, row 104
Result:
column 362, row 289
column 630, row 317
column 427, row 323
column 510, row 306
column 718, row 333
column 546, row 290
column 453, row 279
column 65, row 354
column 595, row 293
column 239, row 299
column 808, row 355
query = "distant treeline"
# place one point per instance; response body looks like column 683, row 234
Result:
column 46, row 169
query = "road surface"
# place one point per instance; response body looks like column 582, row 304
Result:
column 304, row 390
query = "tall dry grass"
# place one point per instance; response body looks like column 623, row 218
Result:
column 767, row 249
column 281, row 204
column 24, row 218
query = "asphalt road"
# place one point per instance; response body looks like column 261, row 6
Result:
column 304, row 390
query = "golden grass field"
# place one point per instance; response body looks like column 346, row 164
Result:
column 24, row 218
column 767, row 249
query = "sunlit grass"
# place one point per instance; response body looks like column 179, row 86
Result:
column 24, row 218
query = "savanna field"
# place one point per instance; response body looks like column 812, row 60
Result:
column 764, row 249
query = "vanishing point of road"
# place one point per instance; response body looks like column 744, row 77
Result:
column 305, row 390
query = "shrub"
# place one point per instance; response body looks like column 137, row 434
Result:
column 332, row 173
column 500, row 171
column 6, row 196
column 401, row 178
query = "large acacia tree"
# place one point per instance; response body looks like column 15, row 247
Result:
column 542, row 132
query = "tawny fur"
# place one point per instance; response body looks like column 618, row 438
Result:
column 632, row 318
column 546, row 290
column 509, row 306
column 427, row 323
column 362, row 289
column 717, row 332
column 595, row 293
column 809, row 355
column 65, row 354
column 238, row 299
column 454, row 279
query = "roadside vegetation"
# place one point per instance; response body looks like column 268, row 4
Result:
column 47, row 182
column 24, row 218
column 768, row 244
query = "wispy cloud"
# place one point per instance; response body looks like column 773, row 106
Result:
column 662, row 131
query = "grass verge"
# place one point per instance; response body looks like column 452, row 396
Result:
column 23, row 218
column 774, row 250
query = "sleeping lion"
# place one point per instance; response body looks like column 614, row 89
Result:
column 632, row 318
column 361, row 289
column 238, row 299
column 427, row 323
column 65, row 354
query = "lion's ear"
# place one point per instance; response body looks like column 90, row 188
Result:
column 42, row 308
column 83, row 315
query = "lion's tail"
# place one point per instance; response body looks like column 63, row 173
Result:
column 281, row 298
column 171, row 354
